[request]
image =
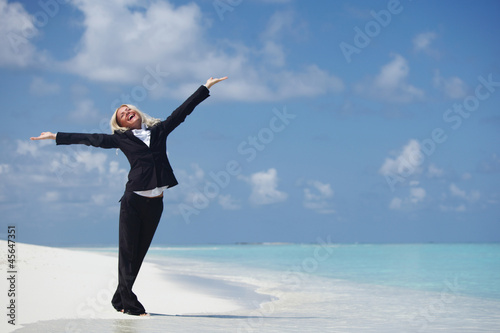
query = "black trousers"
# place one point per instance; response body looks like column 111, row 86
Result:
column 139, row 218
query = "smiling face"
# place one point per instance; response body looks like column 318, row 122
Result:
column 127, row 117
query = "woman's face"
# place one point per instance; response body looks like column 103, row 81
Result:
column 127, row 117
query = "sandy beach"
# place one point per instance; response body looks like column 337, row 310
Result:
column 54, row 284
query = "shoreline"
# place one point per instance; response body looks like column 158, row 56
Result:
column 63, row 290
column 67, row 284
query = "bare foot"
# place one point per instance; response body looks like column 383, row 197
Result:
column 137, row 314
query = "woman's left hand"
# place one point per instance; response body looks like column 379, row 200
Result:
column 45, row 136
column 212, row 81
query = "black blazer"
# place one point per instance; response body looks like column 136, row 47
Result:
column 149, row 166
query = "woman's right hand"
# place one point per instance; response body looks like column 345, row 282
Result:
column 45, row 136
column 212, row 81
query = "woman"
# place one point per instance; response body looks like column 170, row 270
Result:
column 143, row 140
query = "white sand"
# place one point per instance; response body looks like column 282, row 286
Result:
column 55, row 283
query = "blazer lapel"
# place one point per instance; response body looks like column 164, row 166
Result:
column 132, row 137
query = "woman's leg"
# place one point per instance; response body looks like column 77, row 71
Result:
column 151, row 213
column 139, row 218
column 129, row 226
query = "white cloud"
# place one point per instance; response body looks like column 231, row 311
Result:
column 50, row 196
column 92, row 161
column 16, row 29
column 194, row 189
column 316, row 197
column 396, row 203
column 114, row 169
column 264, row 188
column 118, row 43
column 452, row 87
column 85, row 112
column 227, row 202
column 78, row 163
column 284, row 23
column 458, row 196
column 434, row 172
column 422, row 42
column 390, row 85
column 455, row 191
column 27, row 147
column 459, row 193
column 100, row 199
column 273, row 54
column 169, row 48
column 407, row 163
column 194, row 178
column 415, row 196
column 50, row 176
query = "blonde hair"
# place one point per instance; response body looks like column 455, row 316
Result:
column 145, row 118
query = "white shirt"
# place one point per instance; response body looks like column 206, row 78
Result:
column 145, row 135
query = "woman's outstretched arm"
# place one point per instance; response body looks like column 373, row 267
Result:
column 185, row 109
column 45, row 136
column 96, row 140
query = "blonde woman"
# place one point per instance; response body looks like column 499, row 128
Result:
column 143, row 141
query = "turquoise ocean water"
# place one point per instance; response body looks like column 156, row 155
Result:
column 463, row 269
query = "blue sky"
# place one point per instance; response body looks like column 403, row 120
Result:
column 354, row 121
